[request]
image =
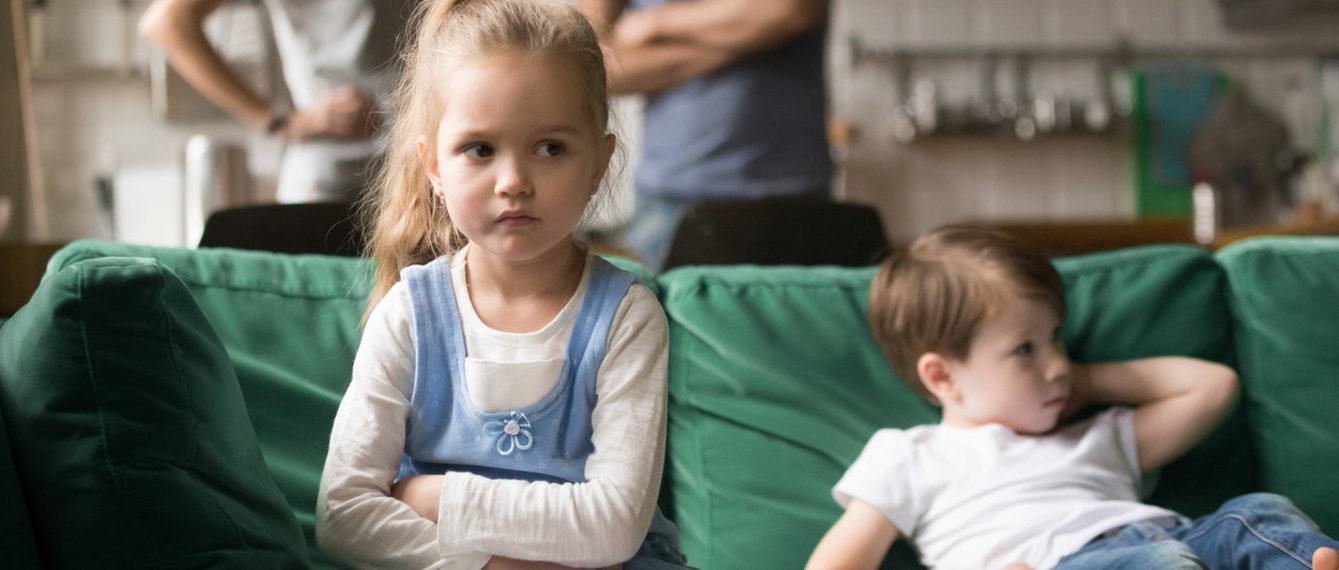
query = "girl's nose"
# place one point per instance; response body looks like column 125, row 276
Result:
column 512, row 179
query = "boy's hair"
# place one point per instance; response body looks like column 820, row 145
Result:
column 935, row 295
column 403, row 222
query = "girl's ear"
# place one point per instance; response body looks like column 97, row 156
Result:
column 936, row 374
column 429, row 160
column 606, row 152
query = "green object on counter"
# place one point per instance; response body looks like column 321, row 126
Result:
column 1171, row 101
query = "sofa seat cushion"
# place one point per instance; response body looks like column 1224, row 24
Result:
column 1285, row 301
column 776, row 384
column 130, row 434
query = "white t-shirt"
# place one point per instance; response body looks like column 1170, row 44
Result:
column 984, row 497
column 597, row 523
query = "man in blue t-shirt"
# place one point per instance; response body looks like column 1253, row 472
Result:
column 735, row 103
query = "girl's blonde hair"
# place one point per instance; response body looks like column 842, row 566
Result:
column 403, row 222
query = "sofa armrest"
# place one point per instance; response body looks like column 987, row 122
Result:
column 18, row 548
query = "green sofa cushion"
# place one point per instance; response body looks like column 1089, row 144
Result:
column 290, row 326
column 776, row 384
column 124, row 413
column 18, row 548
column 1287, row 323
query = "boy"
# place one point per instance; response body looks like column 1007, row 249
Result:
column 968, row 318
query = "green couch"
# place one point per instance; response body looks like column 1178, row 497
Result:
column 170, row 408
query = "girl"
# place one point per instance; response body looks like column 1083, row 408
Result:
column 507, row 407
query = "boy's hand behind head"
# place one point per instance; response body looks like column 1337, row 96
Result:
column 1079, row 394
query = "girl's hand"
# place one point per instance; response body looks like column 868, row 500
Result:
column 421, row 492
column 503, row 563
column 1015, row 566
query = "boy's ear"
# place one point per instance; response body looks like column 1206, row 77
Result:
column 936, row 374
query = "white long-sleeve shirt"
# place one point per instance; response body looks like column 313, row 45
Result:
column 597, row 523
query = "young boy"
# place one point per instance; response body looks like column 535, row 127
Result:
column 968, row 318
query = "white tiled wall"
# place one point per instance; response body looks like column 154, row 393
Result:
column 92, row 107
column 90, row 127
column 933, row 181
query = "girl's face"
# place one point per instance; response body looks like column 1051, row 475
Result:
column 517, row 155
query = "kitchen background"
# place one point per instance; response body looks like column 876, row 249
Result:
column 943, row 110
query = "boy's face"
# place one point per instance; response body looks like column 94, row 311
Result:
column 1016, row 373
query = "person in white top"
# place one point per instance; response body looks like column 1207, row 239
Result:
column 1013, row 476
column 338, row 65
column 507, row 405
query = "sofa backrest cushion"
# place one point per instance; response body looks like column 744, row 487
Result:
column 1285, row 300
column 776, row 384
column 126, row 421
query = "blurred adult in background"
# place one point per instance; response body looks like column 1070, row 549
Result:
column 735, row 103
column 338, row 59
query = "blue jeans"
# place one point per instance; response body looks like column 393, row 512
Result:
column 1259, row 530
column 660, row 550
column 651, row 230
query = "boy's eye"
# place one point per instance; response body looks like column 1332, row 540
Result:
column 1024, row 349
column 479, row 151
column 550, row 149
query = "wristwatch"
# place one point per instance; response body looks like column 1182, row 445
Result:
column 277, row 121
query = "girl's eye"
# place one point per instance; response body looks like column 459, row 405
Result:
column 1024, row 349
column 479, row 151
column 550, row 149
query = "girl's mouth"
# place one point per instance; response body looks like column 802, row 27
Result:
column 515, row 218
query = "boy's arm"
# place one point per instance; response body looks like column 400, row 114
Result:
column 1176, row 400
column 859, row 539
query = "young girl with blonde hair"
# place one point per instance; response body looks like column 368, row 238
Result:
column 507, row 407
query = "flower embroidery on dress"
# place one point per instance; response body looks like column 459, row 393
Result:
column 512, row 433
